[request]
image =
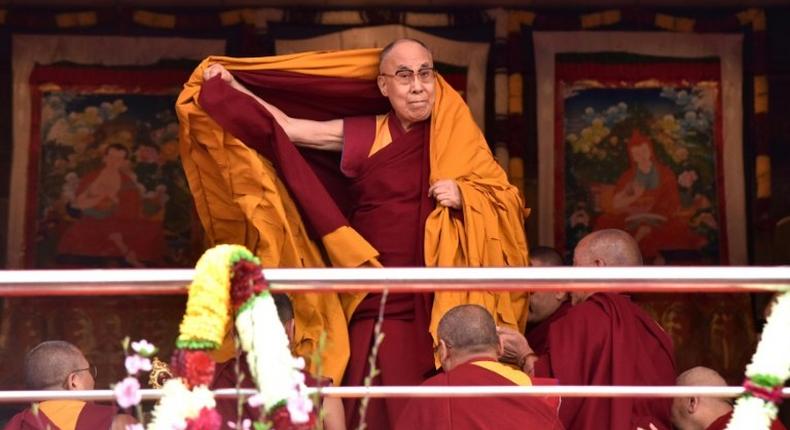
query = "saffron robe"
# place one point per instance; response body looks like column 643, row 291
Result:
column 722, row 421
column 64, row 415
column 290, row 206
column 479, row 413
column 608, row 340
column 537, row 335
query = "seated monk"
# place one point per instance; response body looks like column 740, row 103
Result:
column 59, row 365
column 544, row 308
column 604, row 339
column 468, row 350
column 225, row 377
column 704, row 413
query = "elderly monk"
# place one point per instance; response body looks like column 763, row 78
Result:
column 605, row 339
column 59, row 365
column 333, row 417
column 468, row 349
column 704, row 413
column 405, row 178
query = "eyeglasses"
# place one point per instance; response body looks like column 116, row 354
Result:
column 91, row 368
column 406, row 76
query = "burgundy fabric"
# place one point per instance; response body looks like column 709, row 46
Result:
column 25, row 420
column 476, row 413
column 225, row 377
column 315, row 97
column 390, row 195
column 91, row 417
column 607, row 340
column 537, row 335
column 722, row 421
column 95, row 416
column 253, row 124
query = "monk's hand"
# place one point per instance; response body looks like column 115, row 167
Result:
column 217, row 70
column 446, row 193
column 515, row 349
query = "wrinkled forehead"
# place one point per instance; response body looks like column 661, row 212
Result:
column 406, row 55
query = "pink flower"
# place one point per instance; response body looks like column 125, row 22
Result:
column 245, row 425
column 127, row 392
column 135, row 363
column 299, row 407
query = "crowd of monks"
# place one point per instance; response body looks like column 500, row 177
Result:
column 368, row 158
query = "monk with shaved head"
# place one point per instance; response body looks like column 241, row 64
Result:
column 704, row 413
column 59, row 365
column 604, row 339
column 468, row 349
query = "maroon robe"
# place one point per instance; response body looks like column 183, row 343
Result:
column 390, row 194
column 537, row 335
column 476, row 413
column 92, row 417
column 388, row 205
column 722, row 421
column 608, row 340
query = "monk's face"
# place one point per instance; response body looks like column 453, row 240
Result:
column 543, row 304
column 412, row 99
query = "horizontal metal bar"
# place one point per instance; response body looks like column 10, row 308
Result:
column 116, row 282
column 416, row 391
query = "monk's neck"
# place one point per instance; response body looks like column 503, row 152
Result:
column 460, row 359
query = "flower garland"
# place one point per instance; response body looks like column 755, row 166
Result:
column 767, row 373
column 228, row 279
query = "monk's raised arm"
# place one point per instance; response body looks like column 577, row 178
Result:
column 324, row 135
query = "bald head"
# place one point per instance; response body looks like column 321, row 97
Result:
column 700, row 376
column 469, row 329
column 610, row 247
column 385, row 52
column 544, row 256
column 691, row 413
column 49, row 364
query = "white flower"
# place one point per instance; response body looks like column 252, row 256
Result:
column 255, row 400
column 752, row 413
column 773, row 353
column 144, row 348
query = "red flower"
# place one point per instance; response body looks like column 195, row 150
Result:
column 246, row 280
column 281, row 420
column 208, row 419
column 196, row 367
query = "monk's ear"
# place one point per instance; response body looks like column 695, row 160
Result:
column 382, row 84
column 71, row 382
column 692, row 405
column 599, row 263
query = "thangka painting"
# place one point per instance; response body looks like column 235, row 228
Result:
column 638, row 146
column 105, row 183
